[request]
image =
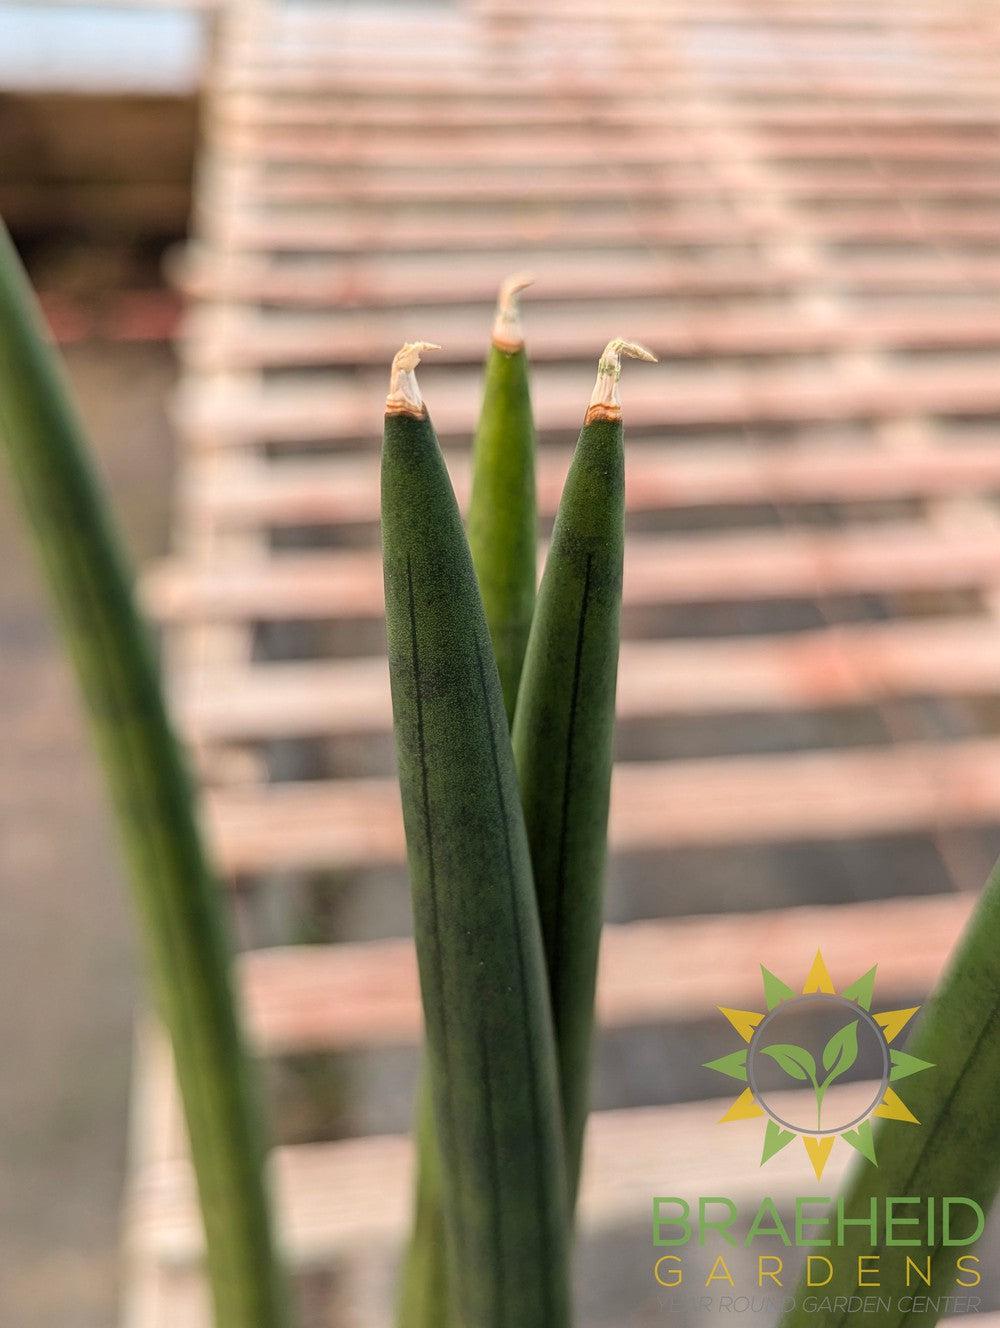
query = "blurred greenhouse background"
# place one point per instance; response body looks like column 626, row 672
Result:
column 796, row 203
column 98, row 116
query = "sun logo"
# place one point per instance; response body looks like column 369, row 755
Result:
column 790, row 1084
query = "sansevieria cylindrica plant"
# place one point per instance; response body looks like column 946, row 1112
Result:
column 564, row 728
column 503, row 705
column 569, row 692
column 503, row 518
column 490, row 1048
column 503, row 537
column 175, row 895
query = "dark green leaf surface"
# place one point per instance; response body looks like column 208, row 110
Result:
column 423, row 1300
column 503, row 530
column 563, row 732
column 955, row 1148
column 490, row 1048
column 175, row 895
column 503, row 538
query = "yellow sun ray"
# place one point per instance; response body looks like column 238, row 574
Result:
column 892, row 1022
column 744, row 1021
column 744, row 1108
column 819, row 1151
column 892, row 1107
column 819, row 978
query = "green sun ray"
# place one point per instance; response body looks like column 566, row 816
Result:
column 862, row 991
column 775, row 991
column 862, row 1140
column 775, row 1139
column 735, row 1065
column 903, row 1065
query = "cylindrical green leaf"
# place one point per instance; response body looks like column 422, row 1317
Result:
column 503, row 537
column 563, row 732
column 502, row 521
column 424, row 1297
column 490, row 1048
column 172, row 884
column 954, row 1150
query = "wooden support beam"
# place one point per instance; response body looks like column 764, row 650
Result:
column 911, row 788
column 858, row 666
column 740, row 567
column 337, row 997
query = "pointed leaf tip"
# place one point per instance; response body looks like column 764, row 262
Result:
column 408, row 355
column 508, row 334
column 404, row 391
column 512, row 286
column 605, row 398
column 619, row 346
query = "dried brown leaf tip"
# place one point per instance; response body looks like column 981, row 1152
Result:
column 605, row 401
column 508, row 334
column 404, row 391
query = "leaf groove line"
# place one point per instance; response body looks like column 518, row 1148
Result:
column 541, row 1205
column 433, row 882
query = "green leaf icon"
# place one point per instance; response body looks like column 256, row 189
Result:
column 839, row 1055
column 840, row 1052
column 795, row 1061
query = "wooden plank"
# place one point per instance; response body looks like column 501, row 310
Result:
column 486, row 17
column 329, row 1207
column 759, row 77
column 809, row 670
column 330, row 412
column 389, row 282
column 888, row 11
column 216, row 339
column 270, row 29
column 256, row 132
column 634, row 109
column 375, row 229
column 647, row 54
column 336, row 997
column 648, row 58
column 740, row 567
column 558, row 55
column 400, row 283
column 659, row 477
column 817, row 17
column 642, row 183
column 197, row 6
column 565, row 49
column 909, row 788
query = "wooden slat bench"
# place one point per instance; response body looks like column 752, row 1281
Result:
column 797, row 205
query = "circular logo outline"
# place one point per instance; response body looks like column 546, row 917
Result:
column 857, row 1012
